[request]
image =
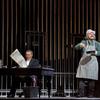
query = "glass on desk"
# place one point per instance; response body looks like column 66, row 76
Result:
column 5, row 66
column 1, row 63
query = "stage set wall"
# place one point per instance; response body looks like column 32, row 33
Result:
column 59, row 19
column 62, row 21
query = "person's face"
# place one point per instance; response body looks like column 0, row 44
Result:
column 91, row 36
column 28, row 55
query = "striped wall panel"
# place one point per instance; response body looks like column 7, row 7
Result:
column 59, row 19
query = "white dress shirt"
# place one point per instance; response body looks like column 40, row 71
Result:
column 27, row 62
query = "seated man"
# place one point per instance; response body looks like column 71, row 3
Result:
column 31, row 63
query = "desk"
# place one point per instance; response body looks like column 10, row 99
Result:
column 39, row 72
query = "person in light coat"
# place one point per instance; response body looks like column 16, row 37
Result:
column 87, row 71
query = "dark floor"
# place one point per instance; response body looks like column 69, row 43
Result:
column 51, row 98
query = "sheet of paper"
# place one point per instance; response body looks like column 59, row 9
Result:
column 19, row 59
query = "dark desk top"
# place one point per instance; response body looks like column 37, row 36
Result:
column 27, row 71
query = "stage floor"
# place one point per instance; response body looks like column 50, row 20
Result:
column 51, row 98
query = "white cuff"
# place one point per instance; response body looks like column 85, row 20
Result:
column 96, row 52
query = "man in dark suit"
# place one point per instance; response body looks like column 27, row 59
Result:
column 31, row 63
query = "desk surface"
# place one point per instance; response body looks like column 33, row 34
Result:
column 25, row 71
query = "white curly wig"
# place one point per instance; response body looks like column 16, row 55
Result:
column 89, row 30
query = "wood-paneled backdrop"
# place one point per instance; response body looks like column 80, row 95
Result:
column 59, row 19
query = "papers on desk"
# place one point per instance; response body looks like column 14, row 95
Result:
column 19, row 59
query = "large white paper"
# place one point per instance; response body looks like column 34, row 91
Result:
column 19, row 59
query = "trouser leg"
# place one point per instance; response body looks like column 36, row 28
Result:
column 28, row 81
column 82, row 87
column 49, row 85
column 91, row 88
column 15, row 84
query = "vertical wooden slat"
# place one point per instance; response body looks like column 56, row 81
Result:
column 59, row 39
column 67, row 22
column 66, row 35
column 78, row 16
column 48, row 32
column 94, row 15
column 54, row 29
column 69, row 40
column 90, row 13
column 57, row 35
column 50, row 29
column 97, row 18
column 44, row 28
column 63, row 14
column 7, row 31
column 53, row 33
column 16, row 26
column 70, row 30
column 2, row 31
column 29, row 14
column 34, row 8
column 11, row 27
column 25, row 14
column 98, row 2
column 42, row 14
column 37, row 15
column 74, row 16
column 20, row 22
column 86, row 14
column 61, row 35
column 46, row 35
column 59, row 28
column 65, row 32
column 82, row 16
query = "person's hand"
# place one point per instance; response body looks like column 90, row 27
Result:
column 92, row 54
column 82, row 45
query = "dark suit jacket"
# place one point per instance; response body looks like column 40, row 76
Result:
column 34, row 63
